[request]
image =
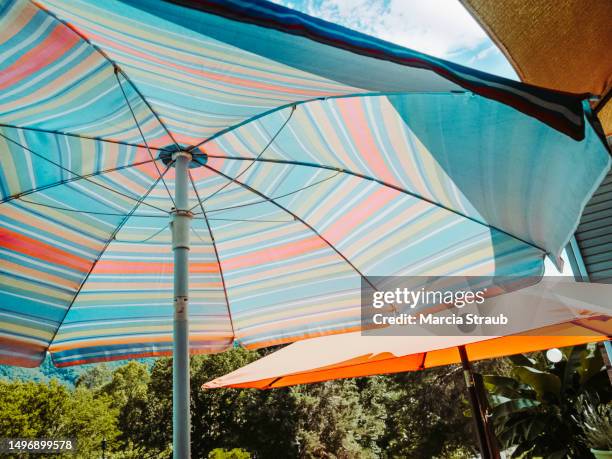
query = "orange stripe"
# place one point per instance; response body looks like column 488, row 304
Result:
column 42, row 251
column 143, row 267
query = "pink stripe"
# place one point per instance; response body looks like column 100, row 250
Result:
column 353, row 112
column 212, row 76
column 50, row 50
column 278, row 253
column 360, row 214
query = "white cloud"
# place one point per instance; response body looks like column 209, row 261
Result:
column 485, row 53
column 442, row 28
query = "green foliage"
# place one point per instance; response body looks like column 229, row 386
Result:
column 39, row 410
column 68, row 376
column 227, row 418
column 236, row 453
column 43, row 373
column 31, row 410
column 339, row 419
column 89, row 419
column 595, row 418
column 425, row 415
column 127, row 390
column 538, row 408
column 95, row 376
column 415, row 415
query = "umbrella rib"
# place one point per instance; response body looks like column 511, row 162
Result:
column 422, row 364
column 86, row 212
column 289, row 193
column 296, row 217
column 78, row 175
column 214, row 244
column 141, row 95
column 314, row 99
column 127, row 101
column 112, row 62
column 78, row 136
column 274, row 381
column 147, row 239
column 70, row 180
column 243, row 220
column 110, row 239
column 242, row 172
column 386, row 184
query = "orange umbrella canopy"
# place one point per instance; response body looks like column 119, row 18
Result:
column 576, row 313
column 560, row 44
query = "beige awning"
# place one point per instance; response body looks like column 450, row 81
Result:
column 558, row 44
column 569, row 314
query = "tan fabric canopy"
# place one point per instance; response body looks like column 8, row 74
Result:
column 570, row 314
column 558, row 44
column 351, row 355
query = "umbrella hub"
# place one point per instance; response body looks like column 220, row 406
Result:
column 169, row 153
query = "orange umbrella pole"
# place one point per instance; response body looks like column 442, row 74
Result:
column 486, row 441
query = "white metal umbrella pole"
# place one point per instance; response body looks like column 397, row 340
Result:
column 180, row 224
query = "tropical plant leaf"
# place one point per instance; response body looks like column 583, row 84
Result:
column 522, row 360
column 492, row 382
column 495, row 400
column 514, row 406
column 502, row 386
column 559, row 454
column 590, row 366
column 573, row 358
column 544, row 420
column 522, row 449
column 567, row 351
column 542, row 382
column 523, row 426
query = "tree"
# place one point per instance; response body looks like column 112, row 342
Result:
column 127, row 390
column 416, row 415
column 31, row 409
column 41, row 410
column 426, row 415
column 89, row 418
column 235, row 453
column 95, row 376
column 255, row 421
column 339, row 419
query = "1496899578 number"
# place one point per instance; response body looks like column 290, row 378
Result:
column 37, row 445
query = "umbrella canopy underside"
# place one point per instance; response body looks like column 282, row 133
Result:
column 564, row 313
column 322, row 155
column 418, row 353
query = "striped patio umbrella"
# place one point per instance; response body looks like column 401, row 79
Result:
column 287, row 157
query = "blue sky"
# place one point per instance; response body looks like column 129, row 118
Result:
column 441, row 28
